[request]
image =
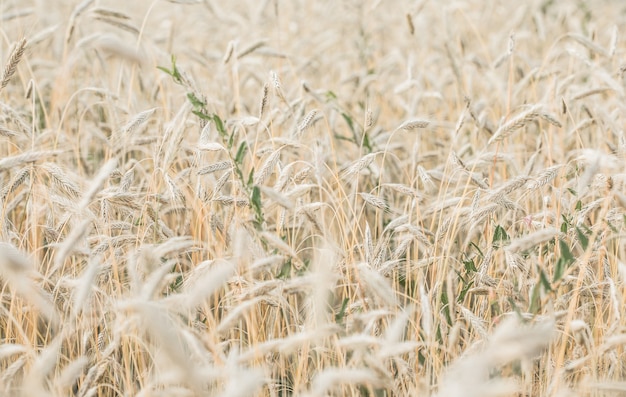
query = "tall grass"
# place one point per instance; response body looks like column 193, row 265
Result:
column 312, row 198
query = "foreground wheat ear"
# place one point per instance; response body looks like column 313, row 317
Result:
column 312, row 198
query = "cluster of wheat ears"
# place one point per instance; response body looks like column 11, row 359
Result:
column 274, row 198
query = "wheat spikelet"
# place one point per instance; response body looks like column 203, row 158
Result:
column 301, row 175
column 369, row 246
column 11, row 65
column 222, row 165
column 27, row 157
column 512, row 185
column 251, row 48
column 403, row 189
column 105, row 171
column 127, row 180
column 545, row 177
column 280, row 245
column 12, row 369
column 277, row 197
column 359, row 165
column 283, row 177
column 264, row 100
column 482, row 277
column 121, row 23
column 7, row 132
column 515, row 261
column 477, row 323
column 299, row 190
column 588, row 43
column 62, row 180
column 533, row 239
column 409, row 21
column 69, row 244
column 219, row 184
column 71, row 373
column 327, row 379
column 211, row 146
column 277, row 86
column 29, row 89
column 18, row 179
column 230, row 49
column 419, row 233
column 414, row 124
column 375, row 201
column 308, row 121
column 427, row 180
column 515, row 123
column 137, row 120
column 267, row 168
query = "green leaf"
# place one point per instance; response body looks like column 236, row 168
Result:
column 366, row 143
column 219, row 125
column 195, row 102
column 543, row 279
column 563, row 262
column 579, row 205
column 470, row 267
column 285, row 271
column 241, row 152
column 472, row 244
column 349, row 121
column 250, row 178
column 201, row 115
column 256, row 198
column 535, row 299
column 499, row 236
column 559, row 270
column 173, row 72
column 342, row 312
column 566, row 254
column 445, row 304
column 516, row 309
column 257, row 205
column 464, row 291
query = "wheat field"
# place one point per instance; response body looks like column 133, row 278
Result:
column 312, row 198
